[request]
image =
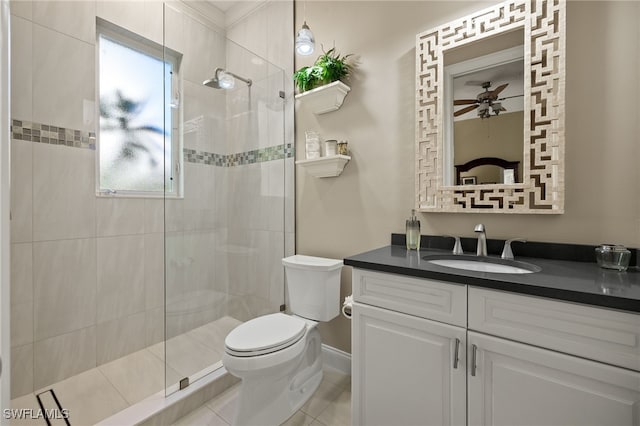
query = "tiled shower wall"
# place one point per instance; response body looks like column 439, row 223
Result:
column 256, row 218
column 87, row 272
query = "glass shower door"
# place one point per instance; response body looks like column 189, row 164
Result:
column 224, row 231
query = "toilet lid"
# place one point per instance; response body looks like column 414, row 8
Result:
column 265, row 334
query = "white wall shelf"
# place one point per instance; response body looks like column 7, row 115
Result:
column 325, row 166
column 325, row 98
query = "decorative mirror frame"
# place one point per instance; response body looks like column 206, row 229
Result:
column 542, row 187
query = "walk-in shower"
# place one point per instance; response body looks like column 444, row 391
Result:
column 120, row 297
column 223, row 79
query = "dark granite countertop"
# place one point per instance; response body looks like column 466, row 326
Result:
column 573, row 281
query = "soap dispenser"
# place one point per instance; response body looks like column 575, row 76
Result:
column 413, row 232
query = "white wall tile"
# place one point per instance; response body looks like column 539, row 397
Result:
column 199, row 38
column 154, row 270
column 63, row 192
column 154, row 20
column 220, row 176
column 198, row 197
column 63, row 356
column 221, row 262
column 155, row 326
column 21, row 273
column 153, row 215
column 21, row 68
column 64, row 286
column 272, row 266
column 21, row 191
column 120, row 277
column 173, row 27
column 61, row 86
column 120, row 337
column 21, row 8
column 175, row 265
column 289, row 190
column 199, row 249
column 21, row 370
column 204, row 116
column 126, row 14
column 72, row 18
column 21, row 323
column 173, row 215
column 275, row 200
column 120, row 216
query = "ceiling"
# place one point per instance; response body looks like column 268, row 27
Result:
column 468, row 86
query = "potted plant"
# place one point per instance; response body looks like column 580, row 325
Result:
column 329, row 67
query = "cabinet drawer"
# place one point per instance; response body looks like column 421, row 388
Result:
column 600, row 334
column 421, row 297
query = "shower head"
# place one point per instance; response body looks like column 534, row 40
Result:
column 223, row 79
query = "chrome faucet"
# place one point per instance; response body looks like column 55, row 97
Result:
column 457, row 245
column 482, row 240
column 507, row 252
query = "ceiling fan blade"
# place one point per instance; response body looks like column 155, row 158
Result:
column 499, row 89
column 509, row 97
column 464, row 110
column 464, row 101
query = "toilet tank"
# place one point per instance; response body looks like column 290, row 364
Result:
column 313, row 286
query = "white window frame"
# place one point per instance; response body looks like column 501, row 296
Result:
column 155, row 50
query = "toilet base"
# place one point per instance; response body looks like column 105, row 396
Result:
column 267, row 400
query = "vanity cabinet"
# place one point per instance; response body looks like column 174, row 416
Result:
column 517, row 384
column 407, row 369
column 408, row 351
column 522, row 360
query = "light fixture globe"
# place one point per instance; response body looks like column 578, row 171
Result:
column 305, row 42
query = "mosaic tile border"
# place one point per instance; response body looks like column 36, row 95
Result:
column 54, row 135
column 278, row 152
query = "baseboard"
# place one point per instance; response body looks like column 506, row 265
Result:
column 336, row 359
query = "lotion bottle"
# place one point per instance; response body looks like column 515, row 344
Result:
column 413, row 232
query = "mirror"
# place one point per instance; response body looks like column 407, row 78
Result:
column 484, row 118
column 490, row 111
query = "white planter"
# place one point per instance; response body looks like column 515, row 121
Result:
column 325, row 166
column 326, row 98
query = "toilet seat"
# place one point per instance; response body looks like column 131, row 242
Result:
column 264, row 335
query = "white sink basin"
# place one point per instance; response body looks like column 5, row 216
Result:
column 495, row 266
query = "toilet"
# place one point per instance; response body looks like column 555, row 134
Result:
column 278, row 356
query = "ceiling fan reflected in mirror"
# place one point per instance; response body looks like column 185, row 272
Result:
column 486, row 102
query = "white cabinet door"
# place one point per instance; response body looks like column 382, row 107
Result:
column 514, row 384
column 403, row 370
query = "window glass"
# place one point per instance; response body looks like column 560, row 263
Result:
column 135, row 144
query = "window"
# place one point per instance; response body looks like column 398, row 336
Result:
column 138, row 141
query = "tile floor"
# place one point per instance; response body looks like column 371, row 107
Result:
column 98, row 393
column 329, row 406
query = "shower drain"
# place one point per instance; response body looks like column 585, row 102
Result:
column 51, row 410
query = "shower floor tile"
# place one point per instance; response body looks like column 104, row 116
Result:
column 89, row 397
column 214, row 333
column 186, row 355
column 96, row 394
column 27, row 402
column 138, row 375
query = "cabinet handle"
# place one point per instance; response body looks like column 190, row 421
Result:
column 474, row 351
column 455, row 354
